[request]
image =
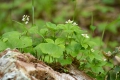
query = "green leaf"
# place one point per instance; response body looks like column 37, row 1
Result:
column 91, row 56
column 43, row 31
column 101, row 63
column 62, row 46
column 28, row 50
column 97, row 69
column 15, row 40
column 117, row 69
column 77, row 47
column 109, row 64
column 5, row 39
column 48, row 59
column 92, row 27
column 85, row 45
column 65, row 61
column 11, row 34
column 73, row 48
column 3, row 46
column 24, row 42
column 12, row 38
column 51, row 26
column 33, row 30
column 61, row 26
column 73, row 54
column 60, row 41
column 49, row 40
column 51, row 49
column 91, row 43
column 38, row 50
column 101, row 77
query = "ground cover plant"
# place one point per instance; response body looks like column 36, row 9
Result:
column 64, row 43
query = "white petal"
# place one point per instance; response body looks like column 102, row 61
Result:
column 26, row 22
column 75, row 24
column 27, row 18
column 69, row 21
column 66, row 22
column 23, row 19
column 87, row 36
column 23, row 15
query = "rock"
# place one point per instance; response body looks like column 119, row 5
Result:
column 23, row 66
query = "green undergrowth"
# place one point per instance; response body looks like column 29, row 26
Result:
column 59, row 43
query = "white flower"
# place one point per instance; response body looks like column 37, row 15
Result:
column 75, row 24
column 23, row 15
column 25, row 19
column 26, row 22
column 92, row 50
column 69, row 21
column 85, row 35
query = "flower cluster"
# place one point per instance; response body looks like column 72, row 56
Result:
column 85, row 35
column 25, row 19
column 71, row 22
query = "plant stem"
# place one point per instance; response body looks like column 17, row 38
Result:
column 33, row 21
column 11, row 13
column 75, row 8
column 92, row 19
column 103, row 35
